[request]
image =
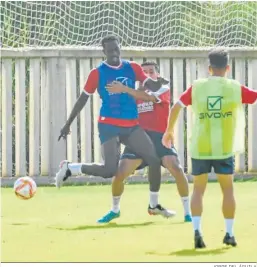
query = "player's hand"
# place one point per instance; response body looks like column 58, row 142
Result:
column 64, row 132
column 115, row 87
column 163, row 81
column 168, row 139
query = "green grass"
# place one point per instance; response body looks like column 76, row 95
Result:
column 60, row 225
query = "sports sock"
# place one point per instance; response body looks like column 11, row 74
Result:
column 186, row 205
column 229, row 226
column 196, row 223
column 154, row 196
column 116, row 204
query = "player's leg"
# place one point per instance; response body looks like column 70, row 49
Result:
column 141, row 144
column 126, row 167
column 200, row 170
column 224, row 170
column 110, row 146
column 154, row 207
column 172, row 164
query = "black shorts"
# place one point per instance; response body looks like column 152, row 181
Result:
column 220, row 166
column 108, row 131
column 161, row 150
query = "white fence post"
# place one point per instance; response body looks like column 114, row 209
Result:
column 7, row 118
column 191, row 76
column 20, row 118
column 177, row 91
column 34, row 119
column 71, row 97
column 57, row 87
column 96, row 111
column 45, row 119
column 85, row 116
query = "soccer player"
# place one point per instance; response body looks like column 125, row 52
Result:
column 118, row 120
column 217, row 135
column 153, row 116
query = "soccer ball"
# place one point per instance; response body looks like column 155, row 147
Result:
column 25, row 188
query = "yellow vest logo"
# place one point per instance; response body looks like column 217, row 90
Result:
column 214, row 106
column 214, row 103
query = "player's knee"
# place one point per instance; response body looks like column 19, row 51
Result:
column 108, row 174
column 172, row 163
column 110, row 168
column 177, row 167
column 109, row 171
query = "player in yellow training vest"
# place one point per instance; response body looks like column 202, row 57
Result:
column 217, row 135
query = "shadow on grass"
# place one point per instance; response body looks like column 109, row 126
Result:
column 191, row 252
column 19, row 224
column 103, row 226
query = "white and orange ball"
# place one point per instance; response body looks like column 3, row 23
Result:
column 25, row 188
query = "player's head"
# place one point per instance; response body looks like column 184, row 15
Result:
column 111, row 49
column 151, row 69
column 218, row 61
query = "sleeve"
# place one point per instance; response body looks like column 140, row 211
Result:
column 162, row 95
column 140, row 75
column 249, row 96
column 186, row 98
column 92, row 82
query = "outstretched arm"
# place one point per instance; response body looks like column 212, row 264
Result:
column 168, row 137
column 185, row 100
column 89, row 88
column 80, row 103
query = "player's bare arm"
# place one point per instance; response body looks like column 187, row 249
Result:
column 168, row 137
column 117, row 87
column 89, row 88
column 80, row 103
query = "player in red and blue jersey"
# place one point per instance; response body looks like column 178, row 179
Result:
column 153, row 117
column 118, row 120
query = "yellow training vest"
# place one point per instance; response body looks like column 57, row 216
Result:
column 218, row 118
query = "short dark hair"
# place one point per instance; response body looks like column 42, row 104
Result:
column 151, row 63
column 218, row 58
column 109, row 38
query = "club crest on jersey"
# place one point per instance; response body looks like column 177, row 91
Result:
column 125, row 81
column 145, row 107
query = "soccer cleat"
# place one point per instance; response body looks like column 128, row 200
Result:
column 109, row 217
column 188, row 218
column 63, row 174
column 229, row 240
column 199, row 240
column 159, row 210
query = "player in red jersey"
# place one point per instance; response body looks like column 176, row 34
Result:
column 153, row 116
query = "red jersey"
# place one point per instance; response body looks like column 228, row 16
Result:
column 92, row 84
column 249, row 96
column 154, row 116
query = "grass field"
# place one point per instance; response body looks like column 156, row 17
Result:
column 60, row 226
